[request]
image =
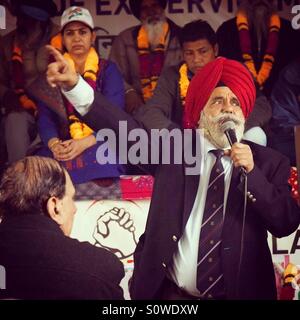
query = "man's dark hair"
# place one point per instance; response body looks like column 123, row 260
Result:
column 27, row 185
column 198, row 30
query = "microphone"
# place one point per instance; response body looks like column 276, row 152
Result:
column 228, row 128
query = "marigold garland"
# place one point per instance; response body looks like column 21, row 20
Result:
column 272, row 43
column 18, row 79
column 184, row 82
column 91, row 64
column 79, row 129
column 56, row 42
column 149, row 83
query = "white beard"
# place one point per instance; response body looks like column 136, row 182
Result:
column 154, row 30
column 213, row 132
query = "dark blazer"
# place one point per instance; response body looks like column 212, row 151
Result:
column 173, row 197
column 286, row 110
column 42, row 263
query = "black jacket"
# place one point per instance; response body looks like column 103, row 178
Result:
column 42, row 263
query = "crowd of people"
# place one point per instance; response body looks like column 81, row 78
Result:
column 57, row 92
column 147, row 74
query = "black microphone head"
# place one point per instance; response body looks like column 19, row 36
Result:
column 228, row 128
column 228, row 125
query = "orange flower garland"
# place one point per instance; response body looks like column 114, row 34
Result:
column 143, row 41
column 149, row 82
column 78, row 129
column 18, row 79
column 91, row 64
column 184, row 82
column 56, row 42
column 269, row 57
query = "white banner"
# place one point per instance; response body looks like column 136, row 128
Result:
column 117, row 225
column 113, row 16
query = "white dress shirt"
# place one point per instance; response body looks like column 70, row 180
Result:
column 184, row 268
column 81, row 96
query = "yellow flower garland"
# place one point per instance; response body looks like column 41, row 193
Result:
column 262, row 75
column 184, row 82
column 78, row 129
column 91, row 64
column 149, row 84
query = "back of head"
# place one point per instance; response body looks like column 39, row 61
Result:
column 198, row 30
column 27, row 185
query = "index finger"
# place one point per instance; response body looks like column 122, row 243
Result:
column 55, row 53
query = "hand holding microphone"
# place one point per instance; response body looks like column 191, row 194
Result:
column 240, row 153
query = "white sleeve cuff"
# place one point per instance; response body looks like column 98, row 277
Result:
column 81, row 96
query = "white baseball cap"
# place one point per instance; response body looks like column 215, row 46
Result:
column 76, row 14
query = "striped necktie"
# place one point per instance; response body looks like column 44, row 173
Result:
column 209, row 273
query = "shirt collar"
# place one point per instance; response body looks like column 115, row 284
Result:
column 207, row 147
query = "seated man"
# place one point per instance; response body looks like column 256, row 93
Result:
column 261, row 39
column 199, row 47
column 142, row 52
column 215, row 244
column 37, row 210
column 286, row 111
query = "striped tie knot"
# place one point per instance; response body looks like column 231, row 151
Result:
column 218, row 153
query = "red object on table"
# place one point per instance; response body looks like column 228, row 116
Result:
column 136, row 187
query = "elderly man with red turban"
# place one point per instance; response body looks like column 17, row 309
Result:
column 227, row 94
column 206, row 233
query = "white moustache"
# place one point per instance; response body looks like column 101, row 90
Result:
column 220, row 119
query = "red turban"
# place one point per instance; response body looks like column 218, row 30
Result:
column 232, row 74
